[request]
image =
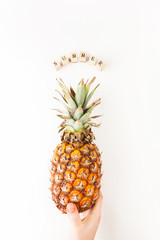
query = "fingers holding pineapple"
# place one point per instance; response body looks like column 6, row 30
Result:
column 84, row 225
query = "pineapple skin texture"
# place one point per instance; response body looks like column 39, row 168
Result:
column 75, row 175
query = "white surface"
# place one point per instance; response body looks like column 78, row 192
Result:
column 126, row 35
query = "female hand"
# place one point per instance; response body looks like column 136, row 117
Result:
column 84, row 227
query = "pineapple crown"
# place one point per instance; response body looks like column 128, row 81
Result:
column 77, row 117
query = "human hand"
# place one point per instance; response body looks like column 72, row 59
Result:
column 84, row 225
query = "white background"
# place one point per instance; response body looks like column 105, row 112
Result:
column 126, row 35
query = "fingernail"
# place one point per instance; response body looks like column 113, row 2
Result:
column 70, row 208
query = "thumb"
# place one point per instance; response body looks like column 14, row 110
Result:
column 73, row 215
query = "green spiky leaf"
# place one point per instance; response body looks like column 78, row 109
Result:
column 81, row 93
column 78, row 113
column 78, row 125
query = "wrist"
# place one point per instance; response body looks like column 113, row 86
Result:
column 73, row 237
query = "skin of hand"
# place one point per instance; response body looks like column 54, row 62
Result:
column 84, row 226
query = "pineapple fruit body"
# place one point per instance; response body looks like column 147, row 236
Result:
column 75, row 175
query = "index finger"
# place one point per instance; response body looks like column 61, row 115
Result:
column 96, row 210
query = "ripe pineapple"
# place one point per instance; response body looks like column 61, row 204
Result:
column 76, row 163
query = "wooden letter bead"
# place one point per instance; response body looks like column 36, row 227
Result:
column 64, row 60
column 100, row 65
column 57, row 65
column 92, row 60
column 74, row 58
column 83, row 57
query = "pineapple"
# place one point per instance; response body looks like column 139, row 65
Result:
column 76, row 163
